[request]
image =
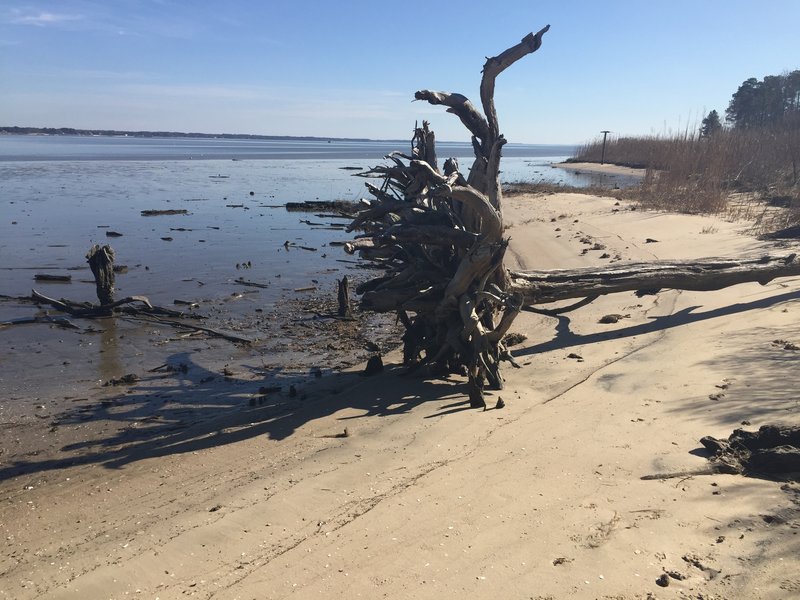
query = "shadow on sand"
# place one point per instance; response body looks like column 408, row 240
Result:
column 193, row 409
column 565, row 338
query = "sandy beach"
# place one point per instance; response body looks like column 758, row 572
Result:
column 389, row 486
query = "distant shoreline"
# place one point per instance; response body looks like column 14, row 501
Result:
column 171, row 134
column 70, row 131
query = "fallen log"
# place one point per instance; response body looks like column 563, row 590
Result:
column 542, row 287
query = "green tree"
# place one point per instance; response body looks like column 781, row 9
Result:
column 773, row 101
column 710, row 125
column 743, row 110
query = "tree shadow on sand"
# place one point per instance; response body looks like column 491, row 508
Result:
column 565, row 338
column 192, row 408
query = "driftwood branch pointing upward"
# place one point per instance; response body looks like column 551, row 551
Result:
column 496, row 65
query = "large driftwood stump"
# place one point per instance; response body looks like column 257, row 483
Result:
column 438, row 236
column 101, row 261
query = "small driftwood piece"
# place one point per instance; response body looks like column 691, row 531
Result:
column 245, row 282
column 53, row 278
column 169, row 211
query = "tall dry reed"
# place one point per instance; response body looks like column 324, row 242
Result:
column 689, row 173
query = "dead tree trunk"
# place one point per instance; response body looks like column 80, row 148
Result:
column 439, row 238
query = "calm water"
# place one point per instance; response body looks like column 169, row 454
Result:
column 61, row 194
column 48, row 148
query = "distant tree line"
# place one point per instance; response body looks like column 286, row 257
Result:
column 161, row 134
column 771, row 102
column 775, row 100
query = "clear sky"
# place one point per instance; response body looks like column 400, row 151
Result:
column 343, row 68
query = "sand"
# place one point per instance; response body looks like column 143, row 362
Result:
column 390, row 487
column 604, row 168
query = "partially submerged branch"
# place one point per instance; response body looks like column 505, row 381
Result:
column 101, row 261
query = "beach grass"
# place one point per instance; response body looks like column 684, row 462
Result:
column 689, row 173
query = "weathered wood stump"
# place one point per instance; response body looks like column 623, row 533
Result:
column 101, row 262
column 345, row 308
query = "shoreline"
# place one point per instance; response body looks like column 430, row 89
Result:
column 607, row 168
column 390, row 486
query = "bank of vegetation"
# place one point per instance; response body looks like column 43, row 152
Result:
column 754, row 154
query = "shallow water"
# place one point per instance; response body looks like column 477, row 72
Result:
column 61, row 201
column 55, row 211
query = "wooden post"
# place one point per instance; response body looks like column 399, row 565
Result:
column 605, row 132
column 101, row 261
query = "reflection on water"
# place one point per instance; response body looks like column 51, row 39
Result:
column 109, row 364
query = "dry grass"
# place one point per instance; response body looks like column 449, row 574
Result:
column 691, row 174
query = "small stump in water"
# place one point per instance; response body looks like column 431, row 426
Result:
column 101, row 262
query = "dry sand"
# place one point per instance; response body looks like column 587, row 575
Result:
column 424, row 498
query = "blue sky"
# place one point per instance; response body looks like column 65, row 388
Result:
column 350, row 68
